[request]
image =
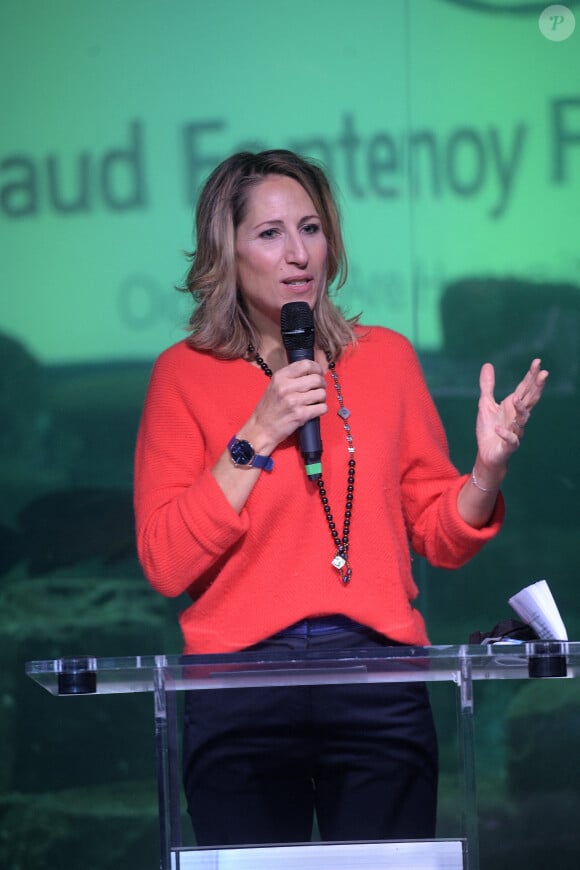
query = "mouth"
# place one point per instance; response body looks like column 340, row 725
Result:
column 299, row 283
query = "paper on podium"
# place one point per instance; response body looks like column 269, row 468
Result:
column 535, row 605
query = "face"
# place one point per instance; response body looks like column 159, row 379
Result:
column 280, row 250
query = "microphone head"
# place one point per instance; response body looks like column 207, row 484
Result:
column 297, row 326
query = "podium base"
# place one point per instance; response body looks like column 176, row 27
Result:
column 408, row 855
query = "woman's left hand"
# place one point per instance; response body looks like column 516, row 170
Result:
column 500, row 427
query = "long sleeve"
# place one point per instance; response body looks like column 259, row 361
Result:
column 184, row 523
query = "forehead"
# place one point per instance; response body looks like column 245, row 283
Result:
column 278, row 196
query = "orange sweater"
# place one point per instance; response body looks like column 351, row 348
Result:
column 252, row 574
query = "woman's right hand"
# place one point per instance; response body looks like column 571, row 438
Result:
column 296, row 393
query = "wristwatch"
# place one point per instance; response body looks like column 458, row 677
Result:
column 244, row 455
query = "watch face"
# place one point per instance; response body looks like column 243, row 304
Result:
column 242, row 452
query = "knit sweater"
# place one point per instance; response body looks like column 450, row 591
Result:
column 249, row 575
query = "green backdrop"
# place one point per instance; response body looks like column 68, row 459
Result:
column 452, row 133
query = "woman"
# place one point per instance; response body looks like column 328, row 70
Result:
column 273, row 560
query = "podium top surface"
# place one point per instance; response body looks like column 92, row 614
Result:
column 91, row 675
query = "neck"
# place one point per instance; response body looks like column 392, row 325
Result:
column 273, row 352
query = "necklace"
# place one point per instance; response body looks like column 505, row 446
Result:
column 341, row 544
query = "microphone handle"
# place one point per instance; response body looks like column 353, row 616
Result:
column 300, row 353
column 309, row 433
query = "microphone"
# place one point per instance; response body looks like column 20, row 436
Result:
column 297, row 326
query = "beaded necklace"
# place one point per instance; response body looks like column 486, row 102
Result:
column 341, row 545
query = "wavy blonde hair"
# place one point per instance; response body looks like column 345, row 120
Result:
column 220, row 322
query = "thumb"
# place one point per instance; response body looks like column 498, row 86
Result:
column 487, row 381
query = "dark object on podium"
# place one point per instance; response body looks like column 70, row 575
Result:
column 77, row 676
column 507, row 629
column 547, row 660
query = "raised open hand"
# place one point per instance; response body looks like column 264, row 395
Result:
column 500, row 427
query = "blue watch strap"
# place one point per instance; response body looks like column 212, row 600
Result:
column 266, row 463
column 244, row 456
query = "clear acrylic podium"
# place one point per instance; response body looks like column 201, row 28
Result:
column 164, row 676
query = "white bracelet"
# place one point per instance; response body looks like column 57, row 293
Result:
column 479, row 486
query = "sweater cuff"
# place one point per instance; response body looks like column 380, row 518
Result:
column 457, row 526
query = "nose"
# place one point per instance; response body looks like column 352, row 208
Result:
column 296, row 250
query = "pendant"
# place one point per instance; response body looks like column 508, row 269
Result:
column 338, row 562
column 344, row 413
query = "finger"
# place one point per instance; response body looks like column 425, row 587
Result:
column 521, row 408
column 529, row 383
column 487, row 381
column 529, row 391
column 510, row 437
column 314, row 397
column 308, row 383
column 519, row 428
column 311, row 406
column 304, row 367
column 299, row 377
column 523, row 405
column 538, row 386
column 527, row 379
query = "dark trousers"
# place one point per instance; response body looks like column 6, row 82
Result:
column 258, row 763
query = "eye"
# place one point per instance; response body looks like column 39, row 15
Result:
column 270, row 233
column 311, row 229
